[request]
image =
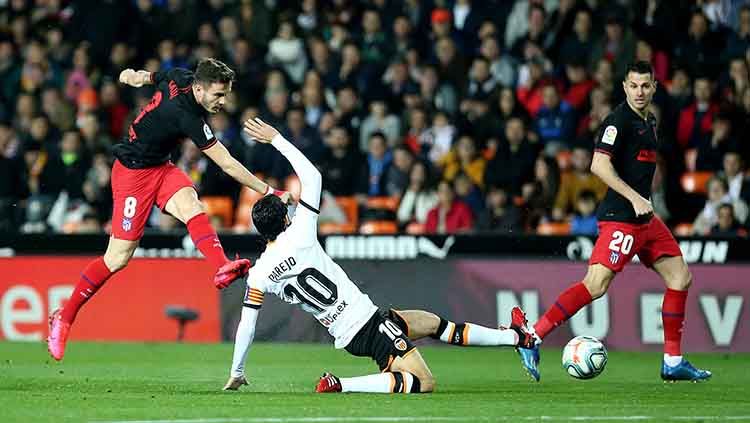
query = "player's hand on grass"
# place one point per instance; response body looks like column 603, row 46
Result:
column 134, row 78
column 234, row 383
column 260, row 130
column 642, row 207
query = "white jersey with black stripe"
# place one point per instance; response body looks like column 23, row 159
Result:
column 297, row 269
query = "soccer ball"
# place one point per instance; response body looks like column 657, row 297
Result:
column 584, row 357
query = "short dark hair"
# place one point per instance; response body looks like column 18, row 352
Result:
column 268, row 217
column 641, row 67
column 211, row 71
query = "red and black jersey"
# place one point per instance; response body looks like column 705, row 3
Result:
column 631, row 143
column 172, row 115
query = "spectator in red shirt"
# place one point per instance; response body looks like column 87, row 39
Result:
column 697, row 119
column 450, row 215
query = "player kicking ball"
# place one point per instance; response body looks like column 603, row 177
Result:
column 143, row 176
column 625, row 159
column 295, row 267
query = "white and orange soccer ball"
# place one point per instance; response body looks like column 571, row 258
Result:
column 584, row 357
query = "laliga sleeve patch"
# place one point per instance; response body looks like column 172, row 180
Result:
column 610, row 133
column 209, row 134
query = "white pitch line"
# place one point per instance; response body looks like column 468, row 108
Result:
column 424, row 418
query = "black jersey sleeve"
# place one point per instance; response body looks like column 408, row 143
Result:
column 611, row 135
column 182, row 77
column 198, row 130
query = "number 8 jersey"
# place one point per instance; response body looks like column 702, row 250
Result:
column 296, row 269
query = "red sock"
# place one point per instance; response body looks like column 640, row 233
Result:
column 205, row 239
column 92, row 278
column 672, row 317
column 568, row 303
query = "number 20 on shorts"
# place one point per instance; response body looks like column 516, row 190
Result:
column 621, row 242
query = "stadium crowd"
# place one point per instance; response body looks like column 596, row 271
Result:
column 428, row 116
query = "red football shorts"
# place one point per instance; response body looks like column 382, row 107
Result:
column 134, row 192
column 618, row 242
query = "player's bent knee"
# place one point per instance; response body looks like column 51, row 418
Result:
column 117, row 261
column 597, row 280
column 684, row 281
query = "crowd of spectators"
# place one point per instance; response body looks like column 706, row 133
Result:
column 475, row 115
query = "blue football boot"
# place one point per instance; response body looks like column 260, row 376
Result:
column 530, row 352
column 683, row 371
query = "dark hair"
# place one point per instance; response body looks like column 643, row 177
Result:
column 641, row 67
column 587, row 195
column 268, row 217
column 211, row 70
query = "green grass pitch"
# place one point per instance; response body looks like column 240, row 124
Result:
column 181, row 383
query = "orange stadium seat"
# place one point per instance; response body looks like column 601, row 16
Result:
column 683, row 229
column 415, row 228
column 553, row 228
column 378, row 227
column 695, row 182
column 383, row 203
column 219, row 206
column 691, row 157
column 350, row 207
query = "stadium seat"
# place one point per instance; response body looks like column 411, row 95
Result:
column 383, row 203
column 415, row 228
column 378, row 227
column 350, row 207
column 553, row 228
column 683, row 229
column 695, row 182
column 219, row 206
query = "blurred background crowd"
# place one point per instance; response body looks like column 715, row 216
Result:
column 436, row 116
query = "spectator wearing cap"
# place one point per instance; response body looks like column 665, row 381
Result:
column 617, row 46
column 696, row 120
column 555, row 122
column 441, row 23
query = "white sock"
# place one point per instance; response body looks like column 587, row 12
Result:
column 473, row 334
column 672, row 360
column 384, row 383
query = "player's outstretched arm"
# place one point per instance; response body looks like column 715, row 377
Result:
column 232, row 167
column 309, row 176
column 242, row 342
column 135, row 78
column 601, row 166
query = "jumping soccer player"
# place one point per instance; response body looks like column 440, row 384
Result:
column 625, row 159
column 143, row 176
column 295, row 267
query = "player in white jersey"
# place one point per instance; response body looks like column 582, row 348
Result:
column 295, row 267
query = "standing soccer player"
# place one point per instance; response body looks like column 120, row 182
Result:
column 625, row 159
column 295, row 267
column 143, row 176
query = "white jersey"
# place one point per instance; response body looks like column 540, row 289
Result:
column 296, row 269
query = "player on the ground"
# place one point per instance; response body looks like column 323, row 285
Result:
column 625, row 159
column 143, row 176
column 295, row 267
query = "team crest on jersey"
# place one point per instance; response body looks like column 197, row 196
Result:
column 127, row 224
column 400, row 344
column 207, row 131
column 614, row 257
column 610, row 133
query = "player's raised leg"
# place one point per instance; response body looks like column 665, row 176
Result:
column 184, row 205
column 677, row 279
column 418, row 324
column 93, row 277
